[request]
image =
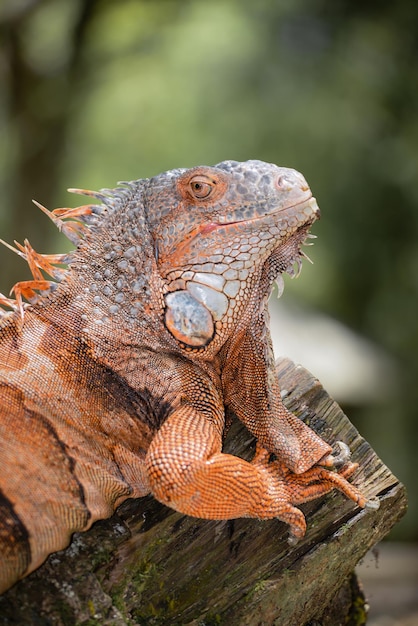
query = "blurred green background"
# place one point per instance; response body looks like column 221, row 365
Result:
column 96, row 91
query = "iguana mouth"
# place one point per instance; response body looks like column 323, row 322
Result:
column 308, row 203
column 312, row 214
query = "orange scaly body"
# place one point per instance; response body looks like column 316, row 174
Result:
column 117, row 379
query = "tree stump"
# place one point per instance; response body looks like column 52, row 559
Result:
column 150, row 565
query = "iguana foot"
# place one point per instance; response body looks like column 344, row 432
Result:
column 314, row 483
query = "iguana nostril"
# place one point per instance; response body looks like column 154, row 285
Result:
column 287, row 182
column 284, row 183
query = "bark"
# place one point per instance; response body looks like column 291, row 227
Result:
column 150, row 565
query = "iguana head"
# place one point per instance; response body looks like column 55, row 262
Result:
column 222, row 235
column 189, row 249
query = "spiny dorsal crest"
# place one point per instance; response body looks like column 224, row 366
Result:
column 75, row 224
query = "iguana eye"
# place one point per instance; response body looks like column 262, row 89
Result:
column 201, row 187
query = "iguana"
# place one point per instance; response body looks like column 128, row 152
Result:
column 119, row 376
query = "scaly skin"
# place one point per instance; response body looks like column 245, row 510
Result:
column 117, row 381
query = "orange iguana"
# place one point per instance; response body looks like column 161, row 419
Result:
column 117, row 378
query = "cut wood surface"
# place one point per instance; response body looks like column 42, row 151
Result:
column 150, row 565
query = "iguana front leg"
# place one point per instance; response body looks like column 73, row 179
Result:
column 256, row 401
column 188, row 472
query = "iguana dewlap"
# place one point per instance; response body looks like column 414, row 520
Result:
column 117, row 377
